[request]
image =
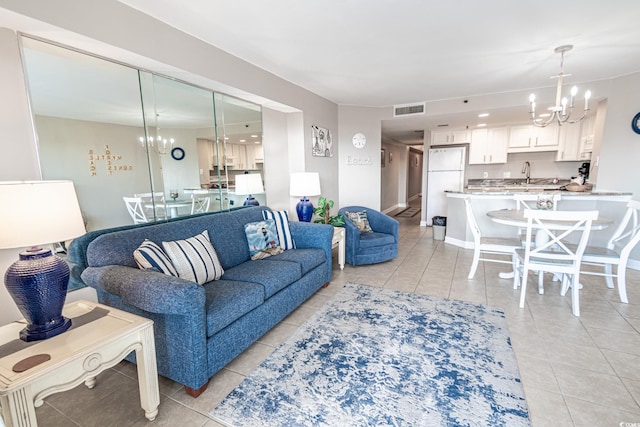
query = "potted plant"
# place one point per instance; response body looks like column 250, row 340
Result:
column 322, row 210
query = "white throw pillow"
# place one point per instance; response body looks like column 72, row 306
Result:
column 281, row 219
column 195, row 258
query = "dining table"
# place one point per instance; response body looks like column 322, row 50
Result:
column 516, row 218
column 172, row 206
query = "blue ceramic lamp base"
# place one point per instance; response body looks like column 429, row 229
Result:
column 304, row 209
column 38, row 283
column 251, row 201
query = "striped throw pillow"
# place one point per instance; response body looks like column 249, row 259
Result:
column 150, row 256
column 281, row 218
column 195, row 258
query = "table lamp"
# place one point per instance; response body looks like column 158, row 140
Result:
column 35, row 213
column 304, row 184
column 248, row 184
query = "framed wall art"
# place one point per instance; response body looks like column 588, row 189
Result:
column 382, row 155
column 322, row 143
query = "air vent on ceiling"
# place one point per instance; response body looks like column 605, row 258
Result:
column 409, row 109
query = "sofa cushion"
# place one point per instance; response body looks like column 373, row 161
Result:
column 307, row 258
column 194, row 258
column 281, row 220
column 272, row 275
column 373, row 239
column 262, row 238
column 228, row 300
column 360, row 220
column 150, row 256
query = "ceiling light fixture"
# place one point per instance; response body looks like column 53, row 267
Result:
column 563, row 108
column 483, row 115
column 159, row 144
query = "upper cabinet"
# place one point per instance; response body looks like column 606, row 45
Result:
column 576, row 140
column 448, row 137
column 488, row 146
column 528, row 138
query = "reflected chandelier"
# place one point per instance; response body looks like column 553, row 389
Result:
column 159, row 144
column 563, row 108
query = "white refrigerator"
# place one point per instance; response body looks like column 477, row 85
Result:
column 445, row 172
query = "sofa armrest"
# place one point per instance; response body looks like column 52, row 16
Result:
column 310, row 235
column 148, row 290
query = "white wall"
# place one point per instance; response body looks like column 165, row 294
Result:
column 360, row 167
column 620, row 149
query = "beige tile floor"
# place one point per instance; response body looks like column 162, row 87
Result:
column 575, row 371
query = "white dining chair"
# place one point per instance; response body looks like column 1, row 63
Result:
column 488, row 245
column 554, row 255
column 200, row 203
column 617, row 251
column 153, row 204
column 134, row 207
column 530, row 201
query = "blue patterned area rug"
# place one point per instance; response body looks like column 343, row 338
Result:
column 373, row 357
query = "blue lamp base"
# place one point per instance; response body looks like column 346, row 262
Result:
column 304, row 208
column 251, row 201
column 38, row 282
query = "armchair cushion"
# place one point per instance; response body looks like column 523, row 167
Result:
column 371, row 240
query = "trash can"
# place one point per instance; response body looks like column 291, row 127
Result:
column 439, row 227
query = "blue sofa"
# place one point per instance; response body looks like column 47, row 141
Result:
column 370, row 248
column 200, row 328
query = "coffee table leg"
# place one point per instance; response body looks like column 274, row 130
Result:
column 148, row 374
column 18, row 409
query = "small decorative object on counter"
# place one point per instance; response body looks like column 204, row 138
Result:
column 544, row 203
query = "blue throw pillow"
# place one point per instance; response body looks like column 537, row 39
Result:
column 281, row 219
column 150, row 256
column 195, row 258
column 262, row 238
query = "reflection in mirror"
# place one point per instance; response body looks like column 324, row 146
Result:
column 118, row 132
column 239, row 130
column 87, row 112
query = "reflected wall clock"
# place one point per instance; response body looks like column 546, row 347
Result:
column 635, row 123
column 177, row 153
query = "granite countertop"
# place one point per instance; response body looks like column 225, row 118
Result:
column 535, row 184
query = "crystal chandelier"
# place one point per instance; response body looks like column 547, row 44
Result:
column 563, row 108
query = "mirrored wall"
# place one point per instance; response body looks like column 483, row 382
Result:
column 139, row 147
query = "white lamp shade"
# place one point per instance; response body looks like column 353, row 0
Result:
column 38, row 212
column 250, row 183
column 305, row 184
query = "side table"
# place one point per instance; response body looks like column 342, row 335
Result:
column 99, row 338
column 338, row 240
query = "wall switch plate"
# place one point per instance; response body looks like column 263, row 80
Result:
column 485, row 174
column 506, row 174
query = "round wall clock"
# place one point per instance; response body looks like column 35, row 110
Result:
column 177, row 153
column 359, row 140
column 635, row 123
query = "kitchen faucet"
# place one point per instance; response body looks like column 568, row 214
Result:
column 526, row 168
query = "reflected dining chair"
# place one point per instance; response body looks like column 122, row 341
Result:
column 153, row 203
column 617, row 251
column 555, row 255
column 134, row 207
column 200, row 202
column 488, row 245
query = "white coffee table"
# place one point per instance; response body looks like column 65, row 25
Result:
column 100, row 337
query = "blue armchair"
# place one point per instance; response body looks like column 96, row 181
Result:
column 370, row 248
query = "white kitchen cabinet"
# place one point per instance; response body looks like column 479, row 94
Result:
column 259, row 153
column 488, row 146
column 527, row 138
column 588, row 131
column 448, row 137
column 569, row 143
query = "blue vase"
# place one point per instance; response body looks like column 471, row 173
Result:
column 38, row 282
column 304, row 208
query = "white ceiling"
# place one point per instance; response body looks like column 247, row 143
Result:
column 382, row 52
